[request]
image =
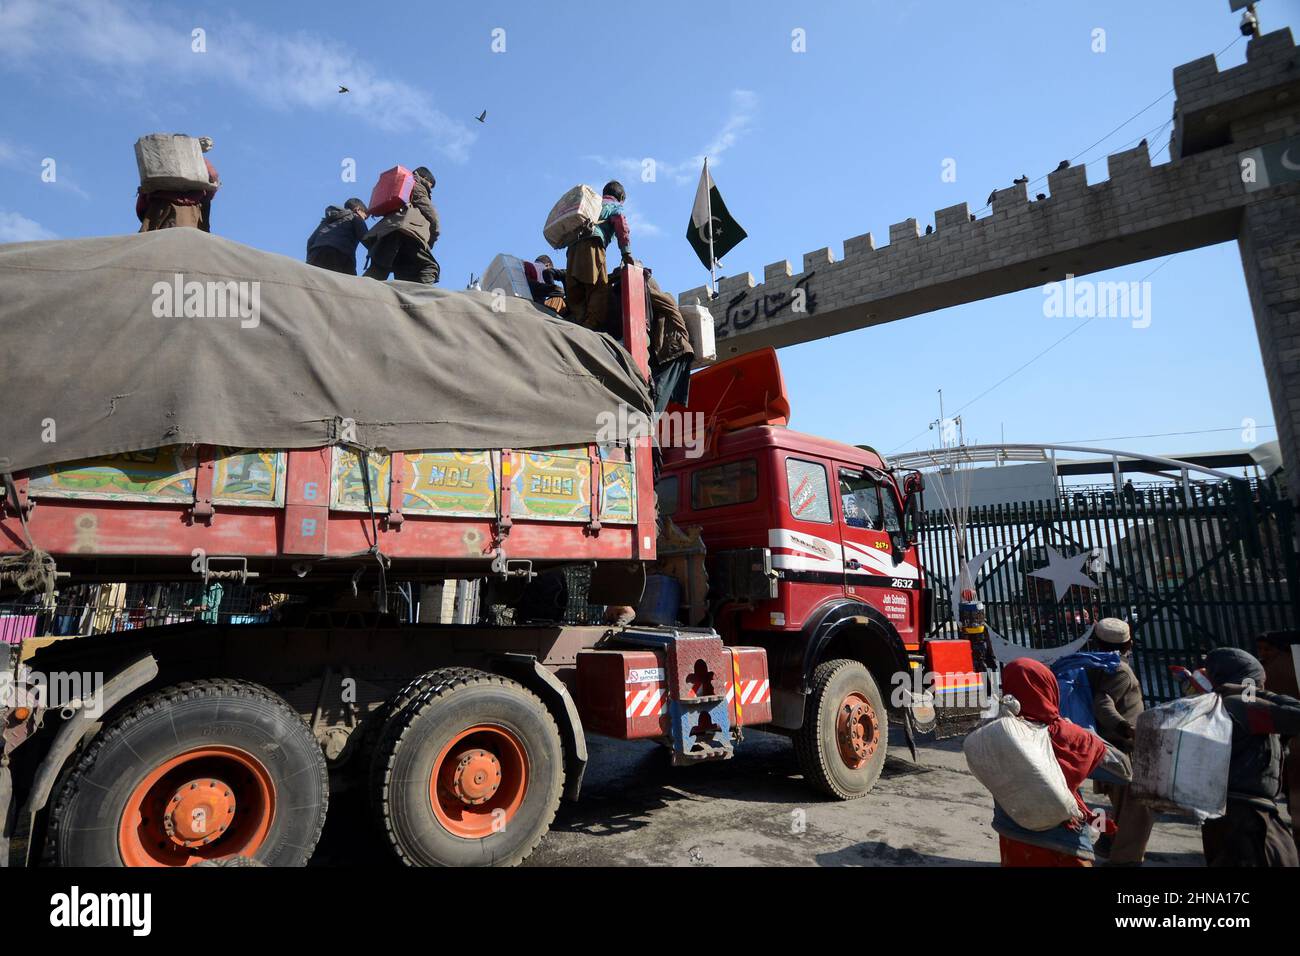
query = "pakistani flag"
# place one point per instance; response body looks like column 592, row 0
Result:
column 709, row 215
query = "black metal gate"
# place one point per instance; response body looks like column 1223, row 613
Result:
column 1190, row 568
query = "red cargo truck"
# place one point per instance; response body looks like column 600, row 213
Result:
column 196, row 742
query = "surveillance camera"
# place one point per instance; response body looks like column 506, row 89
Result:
column 1249, row 24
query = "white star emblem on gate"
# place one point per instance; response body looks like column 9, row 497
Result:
column 1064, row 572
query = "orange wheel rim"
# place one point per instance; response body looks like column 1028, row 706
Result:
column 203, row 804
column 479, row 781
column 857, row 732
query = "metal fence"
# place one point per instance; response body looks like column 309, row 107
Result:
column 106, row 608
column 1190, row 569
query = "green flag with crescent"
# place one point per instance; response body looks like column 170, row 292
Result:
column 710, row 219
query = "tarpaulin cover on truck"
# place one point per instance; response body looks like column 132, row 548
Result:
column 125, row 343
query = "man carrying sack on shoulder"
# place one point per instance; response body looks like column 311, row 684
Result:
column 586, row 276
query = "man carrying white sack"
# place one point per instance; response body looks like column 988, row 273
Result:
column 1116, row 704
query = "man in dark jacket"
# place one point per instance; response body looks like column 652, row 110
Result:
column 1274, row 650
column 333, row 245
column 546, row 283
column 671, row 352
column 586, row 277
column 402, row 242
column 1116, row 704
column 1251, row 832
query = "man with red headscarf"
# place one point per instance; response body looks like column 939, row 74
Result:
column 1077, row 750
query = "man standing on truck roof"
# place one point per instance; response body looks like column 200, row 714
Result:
column 402, row 242
column 333, row 245
column 1116, row 705
column 671, row 353
column 587, row 282
column 167, row 209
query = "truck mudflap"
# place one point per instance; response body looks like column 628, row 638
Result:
column 659, row 690
column 556, row 697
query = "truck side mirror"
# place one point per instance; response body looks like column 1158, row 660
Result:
column 913, row 506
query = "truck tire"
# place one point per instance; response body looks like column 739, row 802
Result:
column 842, row 743
column 200, row 771
column 469, row 773
column 372, row 760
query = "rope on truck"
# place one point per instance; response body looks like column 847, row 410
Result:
column 34, row 569
column 363, row 453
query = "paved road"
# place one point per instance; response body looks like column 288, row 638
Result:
column 755, row 810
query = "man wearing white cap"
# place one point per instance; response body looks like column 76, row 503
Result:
column 1116, row 703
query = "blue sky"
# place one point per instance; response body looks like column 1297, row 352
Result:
column 808, row 149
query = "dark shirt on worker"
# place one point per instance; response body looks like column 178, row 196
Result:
column 340, row 229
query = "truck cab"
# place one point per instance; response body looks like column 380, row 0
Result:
column 829, row 520
column 812, row 545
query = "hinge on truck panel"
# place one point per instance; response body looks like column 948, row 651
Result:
column 396, row 491
column 204, row 476
column 596, row 466
column 507, row 480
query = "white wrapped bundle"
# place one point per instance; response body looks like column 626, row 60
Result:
column 170, row 161
column 1014, row 759
column 572, row 216
column 507, row 274
column 699, row 326
column 1181, row 755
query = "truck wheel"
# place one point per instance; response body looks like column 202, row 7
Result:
column 470, row 773
column 841, row 745
column 373, row 760
column 197, row 772
column 373, row 731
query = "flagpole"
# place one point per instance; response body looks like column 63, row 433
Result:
column 708, row 197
